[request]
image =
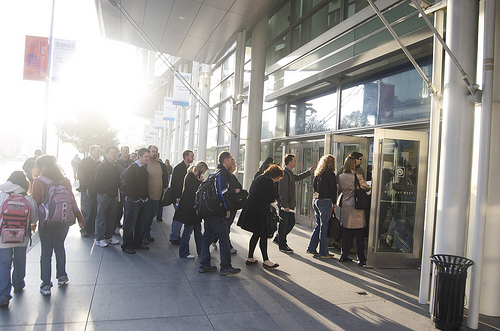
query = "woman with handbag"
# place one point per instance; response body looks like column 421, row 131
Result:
column 255, row 216
column 353, row 219
column 185, row 212
column 324, row 199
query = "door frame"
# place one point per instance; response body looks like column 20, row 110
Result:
column 397, row 259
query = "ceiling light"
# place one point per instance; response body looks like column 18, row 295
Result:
column 182, row 18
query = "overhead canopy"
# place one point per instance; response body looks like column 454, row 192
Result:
column 199, row 30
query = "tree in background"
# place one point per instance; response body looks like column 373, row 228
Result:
column 89, row 128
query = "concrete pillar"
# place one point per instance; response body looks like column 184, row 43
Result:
column 255, row 100
column 192, row 109
column 457, row 130
column 234, row 147
column 205, row 73
column 490, row 286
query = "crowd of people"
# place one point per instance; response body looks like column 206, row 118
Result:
column 136, row 186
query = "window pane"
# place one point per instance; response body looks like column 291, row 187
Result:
column 303, row 7
column 399, row 97
column 273, row 122
column 314, row 115
column 279, row 22
column 277, row 50
column 227, row 87
column 216, row 76
column 354, row 6
column 310, row 28
column 228, row 66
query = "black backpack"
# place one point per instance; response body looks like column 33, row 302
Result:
column 207, row 200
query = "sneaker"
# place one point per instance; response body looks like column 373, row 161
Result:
column 287, row 250
column 329, row 256
column 4, row 302
column 101, row 243
column 312, row 253
column 207, row 268
column 362, row 264
column 63, row 280
column 45, row 290
column 230, row 271
column 113, row 241
column 128, row 250
column 175, row 242
column 276, row 241
column 190, row 256
column 233, row 251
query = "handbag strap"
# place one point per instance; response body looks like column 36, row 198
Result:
column 356, row 181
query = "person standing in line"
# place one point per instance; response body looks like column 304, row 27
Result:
column 13, row 255
column 287, row 202
column 324, row 200
column 87, row 189
column 166, row 179
column 29, row 165
column 75, row 164
column 122, row 163
column 218, row 224
column 353, row 220
column 52, row 234
column 255, row 216
column 185, row 212
column 136, row 180
column 107, row 183
column 176, row 183
column 155, row 190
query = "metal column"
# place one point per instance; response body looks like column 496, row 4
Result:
column 205, row 73
column 234, row 147
column 457, row 130
column 255, row 100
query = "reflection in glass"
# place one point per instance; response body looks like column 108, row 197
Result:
column 315, row 115
column 398, row 195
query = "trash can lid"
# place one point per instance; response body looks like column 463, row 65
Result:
column 453, row 261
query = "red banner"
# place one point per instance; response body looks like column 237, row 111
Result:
column 36, row 54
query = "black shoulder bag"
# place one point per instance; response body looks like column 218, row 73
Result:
column 361, row 199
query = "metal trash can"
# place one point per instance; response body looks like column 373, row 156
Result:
column 449, row 290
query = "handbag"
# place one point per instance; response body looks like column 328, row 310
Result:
column 167, row 197
column 333, row 227
column 238, row 200
column 274, row 218
column 361, row 199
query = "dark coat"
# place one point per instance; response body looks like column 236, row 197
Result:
column 177, row 179
column 255, row 215
column 185, row 212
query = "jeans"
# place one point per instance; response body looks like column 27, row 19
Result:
column 285, row 226
column 217, row 225
column 347, row 236
column 159, row 214
column 52, row 238
column 151, row 210
column 133, row 223
column 230, row 221
column 186, row 236
column 175, row 234
column 16, row 257
column 89, row 211
column 323, row 213
column 106, row 214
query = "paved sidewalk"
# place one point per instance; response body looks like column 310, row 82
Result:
column 157, row 290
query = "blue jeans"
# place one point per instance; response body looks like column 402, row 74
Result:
column 106, row 214
column 89, row 211
column 217, row 225
column 12, row 256
column 186, row 236
column 52, row 238
column 133, row 223
column 151, row 211
column 323, row 213
column 175, row 234
column 285, row 226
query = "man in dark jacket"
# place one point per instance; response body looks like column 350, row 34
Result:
column 218, row 224
column 136, row 180
column 287, row 201
column 176, row 183
column 88, row 196
column 107, row 183
column 122, row 163
column 165, row 180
